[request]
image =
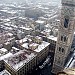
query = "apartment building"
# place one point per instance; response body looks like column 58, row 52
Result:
column 21, row 63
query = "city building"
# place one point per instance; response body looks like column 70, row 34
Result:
column 40, row 47
column 3, row 56
column 28, row 36
column 21, row 63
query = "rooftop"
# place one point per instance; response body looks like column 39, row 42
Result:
column 6, row 56
column 19, row 59
column 36, row 47
column 41, row 46
column 26, row 28
column 22, row 40
column 3, row 50
column 52, row 37
column 39, row 21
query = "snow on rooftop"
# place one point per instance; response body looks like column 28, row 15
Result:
column 25, row 45
column 10, row 34
column 26, row 28
column 15, row 48
column 38, row 37
column 53, row 16
column 19, row 59
column 23, row 40
column 7, row 19
column 12, row 12
column 52, row 37
column 41, row 46
column 39, row 21
column 22, row 18
column 6, row 56
column 33, row 44
column 7, row 24
column 4, row 10
column 3, row 50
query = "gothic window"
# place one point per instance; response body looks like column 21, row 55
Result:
column 66, row 23
column 59, row 48
column 65, row 38
column 62, row 49
column 59, row 60
column 61, row 38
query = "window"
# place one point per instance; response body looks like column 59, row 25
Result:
column 62, row 49
column 58, row 61
column 66, row 23
column 61, row 38
column 65, row 38
column 59, row 48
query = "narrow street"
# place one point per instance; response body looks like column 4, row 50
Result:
column 47, row 68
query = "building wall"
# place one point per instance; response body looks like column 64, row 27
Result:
column 42, row 55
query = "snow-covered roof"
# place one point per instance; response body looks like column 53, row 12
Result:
column 25, row 45
column 52, row 37
column 7, row 43
column 6, row 56
column 26, row 28
column 23, row 40
column 33, row 44
column 15, row 48
column 19, row 59
column 53, row 17
column 10, row 34
column 41, row 46
column 39, row 21
column 7, row 24
column 38, row 37
column 3, row 50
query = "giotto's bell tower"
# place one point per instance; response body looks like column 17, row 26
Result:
column 65, row 34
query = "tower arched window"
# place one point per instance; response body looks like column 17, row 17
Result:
column 65, row 38
column 59, row 48
column 62, row 50
column 61, row 38
column 66, row 21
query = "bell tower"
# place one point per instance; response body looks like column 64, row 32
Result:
column 65, row 35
